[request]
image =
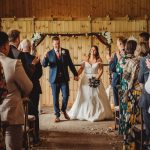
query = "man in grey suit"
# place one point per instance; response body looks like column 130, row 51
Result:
column 145, row 97
column 11, row 109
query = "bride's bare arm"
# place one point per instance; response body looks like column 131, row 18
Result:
column 80, row 70
column 100, row 69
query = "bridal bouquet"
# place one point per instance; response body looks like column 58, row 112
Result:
column 93, row 82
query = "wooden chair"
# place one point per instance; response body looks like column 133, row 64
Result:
column 29, row 125
column 116, row 111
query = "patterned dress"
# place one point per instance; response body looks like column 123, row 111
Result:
column 128, row 98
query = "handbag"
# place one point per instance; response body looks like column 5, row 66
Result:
column 147, row 84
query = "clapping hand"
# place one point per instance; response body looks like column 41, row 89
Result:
column 108, row 57
column 148, row 63
column 118, row 55
column 46, row 54
column 36, row 60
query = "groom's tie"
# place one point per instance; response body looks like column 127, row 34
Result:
column 58, row 54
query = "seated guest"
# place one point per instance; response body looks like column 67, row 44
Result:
column 145, row 97
column 11, row 108
column 25, row 46
column 129, row 83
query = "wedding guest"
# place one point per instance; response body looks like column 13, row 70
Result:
column 144, row 37
column 14, row 53
column 34, row 97
column 129, row 83
column 142, row 50
column 145, row 97
column 17, row 82
column 113, row 63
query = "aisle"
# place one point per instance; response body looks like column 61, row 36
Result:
column 76, row 135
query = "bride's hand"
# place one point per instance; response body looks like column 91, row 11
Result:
column 76, row 78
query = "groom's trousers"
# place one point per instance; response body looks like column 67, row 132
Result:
column 56, row 87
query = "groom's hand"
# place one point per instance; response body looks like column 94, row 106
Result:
column 76, row 78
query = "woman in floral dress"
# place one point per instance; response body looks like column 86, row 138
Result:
column 129, row 83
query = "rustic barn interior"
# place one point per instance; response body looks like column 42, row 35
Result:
column 119, row 17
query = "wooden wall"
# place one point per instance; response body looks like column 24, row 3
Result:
column 74, row 8
column 78, row 46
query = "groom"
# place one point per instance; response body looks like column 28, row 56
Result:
column 58, row 59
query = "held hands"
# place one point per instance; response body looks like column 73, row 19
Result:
column 76, row 78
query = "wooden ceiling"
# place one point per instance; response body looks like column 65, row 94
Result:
column 74, row 8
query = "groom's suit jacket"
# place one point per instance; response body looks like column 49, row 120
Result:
column 51, row 60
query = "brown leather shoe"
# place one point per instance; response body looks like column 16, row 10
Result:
column 66, row 115
column 57, row 119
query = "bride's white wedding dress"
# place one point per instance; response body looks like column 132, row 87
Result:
column 91, row 103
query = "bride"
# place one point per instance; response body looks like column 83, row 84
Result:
column 91, row 103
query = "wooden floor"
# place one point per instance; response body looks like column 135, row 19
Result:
column 76, row 135
column 76, row 141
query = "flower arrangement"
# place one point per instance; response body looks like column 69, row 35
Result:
column 93, row 82
column 104, row 37
column 107, row 36
column 37, row 38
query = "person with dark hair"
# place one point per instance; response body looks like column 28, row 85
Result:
column 11, row 107
column 144, row 37
column 14, row 41
column 58, row 59
column 142, row 50
column 91, row 102
column 115, row 67
column 129, row 83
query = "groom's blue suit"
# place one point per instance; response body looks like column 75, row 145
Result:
column 59, row 76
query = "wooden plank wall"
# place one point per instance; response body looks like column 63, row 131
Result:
column 78, row 46
column 74, row 8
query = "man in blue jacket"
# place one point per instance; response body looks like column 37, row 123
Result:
column 58, row 59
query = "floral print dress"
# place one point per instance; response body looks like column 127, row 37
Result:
column 128, row 98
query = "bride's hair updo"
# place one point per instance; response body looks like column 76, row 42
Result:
column 97, row 52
